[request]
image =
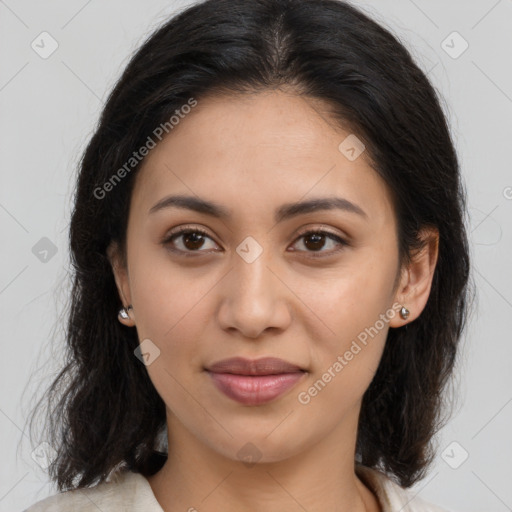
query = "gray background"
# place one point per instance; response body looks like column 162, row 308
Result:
column 49, row 107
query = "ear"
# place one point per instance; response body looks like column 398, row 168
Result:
column 122, row 281
column 416, row 278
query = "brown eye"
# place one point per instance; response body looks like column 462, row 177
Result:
column 315, row 241
column 193, row 240
column 187, row 241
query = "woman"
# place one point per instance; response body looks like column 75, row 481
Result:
column 271, row 271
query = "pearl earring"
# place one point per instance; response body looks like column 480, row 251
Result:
column 123, row 313
column 404, row 313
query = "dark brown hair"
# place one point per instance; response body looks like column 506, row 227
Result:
column 105, row 411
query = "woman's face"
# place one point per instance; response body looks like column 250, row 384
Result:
column 254, row 285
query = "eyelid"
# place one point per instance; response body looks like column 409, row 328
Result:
column 302, row 231
column 322, row 229
column 187, row 227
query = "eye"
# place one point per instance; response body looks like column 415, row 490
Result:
column 189, row 240
column 315, row 240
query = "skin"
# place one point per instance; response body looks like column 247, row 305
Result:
column 252, row 154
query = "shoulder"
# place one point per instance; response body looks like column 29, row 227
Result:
column 124, row 491
column 391, row 496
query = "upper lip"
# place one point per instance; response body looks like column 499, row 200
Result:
column 263, row 366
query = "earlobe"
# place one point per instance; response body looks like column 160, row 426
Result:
column 416, row 280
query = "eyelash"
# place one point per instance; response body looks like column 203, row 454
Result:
column 189, row 230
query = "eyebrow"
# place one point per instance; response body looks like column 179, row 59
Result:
column 284, row 212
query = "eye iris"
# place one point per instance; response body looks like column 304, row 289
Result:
column 318, row 241
column 194, row 238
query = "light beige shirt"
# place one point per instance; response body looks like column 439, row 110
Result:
column 129, row 492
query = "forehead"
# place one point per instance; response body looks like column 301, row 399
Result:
column 256, row 149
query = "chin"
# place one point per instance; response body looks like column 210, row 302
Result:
column 256, row 446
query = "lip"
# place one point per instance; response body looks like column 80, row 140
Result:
column 263, row 366
column 254, row 382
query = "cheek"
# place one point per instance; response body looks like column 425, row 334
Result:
column 161, row 292
column 352, row 307
column 172, row 309
column 347, row 355
column 171, row 304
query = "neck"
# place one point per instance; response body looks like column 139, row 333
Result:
column 322, row 477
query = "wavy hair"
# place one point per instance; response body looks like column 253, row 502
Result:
column 103, row 410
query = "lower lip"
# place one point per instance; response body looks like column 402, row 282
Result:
column 257, row 389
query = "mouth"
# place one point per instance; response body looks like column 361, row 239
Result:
column 254, row 382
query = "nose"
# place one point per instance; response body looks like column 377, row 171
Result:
column 254, row 298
